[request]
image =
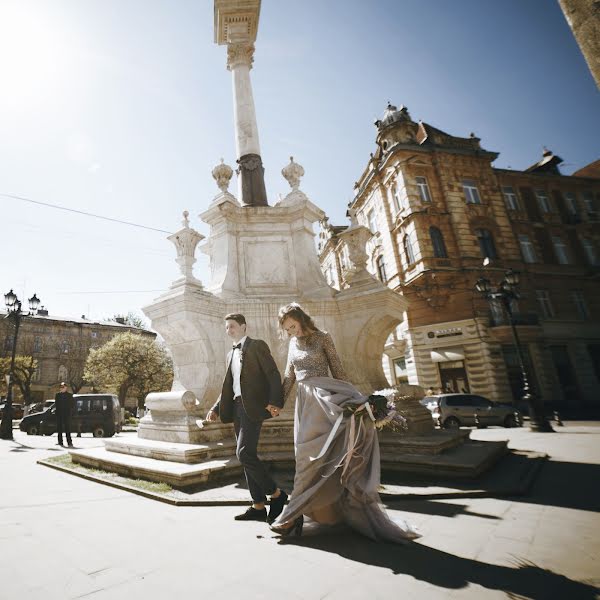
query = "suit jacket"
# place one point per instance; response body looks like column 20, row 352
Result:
column 260, row 382
column 64, row 403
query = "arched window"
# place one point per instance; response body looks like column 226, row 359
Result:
column 486, row 243
column 437, row 239
column 408, row 250
column 380, row 262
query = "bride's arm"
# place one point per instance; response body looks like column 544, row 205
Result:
column 289, row 377
column 335, row 364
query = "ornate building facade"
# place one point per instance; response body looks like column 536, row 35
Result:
column 442, row 217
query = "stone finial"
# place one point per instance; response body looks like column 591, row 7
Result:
column 185, row 241
column 222, row 174
column 293, row 173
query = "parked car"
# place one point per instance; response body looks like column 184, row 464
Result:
column 17, row 410
column 99, row 414
column 455, row 410
column 40, row 406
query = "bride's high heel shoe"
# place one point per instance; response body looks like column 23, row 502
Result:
column 295, row 528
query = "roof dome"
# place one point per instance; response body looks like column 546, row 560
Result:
column 392, row 114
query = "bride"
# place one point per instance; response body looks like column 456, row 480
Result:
column 337, row 454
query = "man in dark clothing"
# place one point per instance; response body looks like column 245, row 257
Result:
column 64, row 404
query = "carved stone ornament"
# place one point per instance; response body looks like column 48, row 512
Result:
column 293, row 173
column 222, row 174
column 240, row 54
column 185, row 241
column 356, row 238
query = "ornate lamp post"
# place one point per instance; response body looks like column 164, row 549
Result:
column 13, row 306
column 506, row 292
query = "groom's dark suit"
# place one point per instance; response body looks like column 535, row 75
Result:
column 260, row 384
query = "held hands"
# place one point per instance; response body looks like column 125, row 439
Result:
column 211, row 416
column 274, row 410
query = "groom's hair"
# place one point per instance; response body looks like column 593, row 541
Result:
column 237, row 317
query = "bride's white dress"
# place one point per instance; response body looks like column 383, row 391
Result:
column 337, row 455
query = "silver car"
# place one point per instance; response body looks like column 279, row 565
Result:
column 454, row 410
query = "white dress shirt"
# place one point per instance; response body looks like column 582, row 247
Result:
column 236, row 368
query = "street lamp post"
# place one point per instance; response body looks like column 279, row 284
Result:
column 506, row 292
column 13, row 305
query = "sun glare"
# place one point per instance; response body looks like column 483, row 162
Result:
column 32, row 53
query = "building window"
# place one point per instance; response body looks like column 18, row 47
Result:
column 37, row 344
column 372, row 217
column 580, row 304
column 94, row 334
column 400, row 372
column 396, row 198
column 560, row 249
column 543, row 201
column 590, row 252
column 36, row 375
column 527, row 249
column 588, row 201
column 471, row 191
column 423, row 189
column 437, row 239
column 546, row 309
column 381, row 269
column 571, row 203
column 63, row 373
column 8, row 343
column 486, row 243
column 408, row 250
column 510, row 198
column 345, row 258
column 65, row 347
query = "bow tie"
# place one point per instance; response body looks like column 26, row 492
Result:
column 237, row 346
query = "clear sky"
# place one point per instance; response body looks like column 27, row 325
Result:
column 123, row 107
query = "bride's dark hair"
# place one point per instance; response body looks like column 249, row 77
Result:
column 296, row 312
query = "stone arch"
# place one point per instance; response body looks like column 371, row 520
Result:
column 370, row 345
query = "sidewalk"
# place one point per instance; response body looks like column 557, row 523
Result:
column 64, row 537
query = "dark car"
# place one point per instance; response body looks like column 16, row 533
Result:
column 17, row 410
column 454, row 410
column 99, row 414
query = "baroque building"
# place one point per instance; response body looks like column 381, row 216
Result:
column 442, row 217
column 60, row 347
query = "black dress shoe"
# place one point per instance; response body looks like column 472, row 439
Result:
column 277, row 505
column 253, row 514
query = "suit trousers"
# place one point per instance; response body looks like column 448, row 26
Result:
column 63, row 424
column 247, row 432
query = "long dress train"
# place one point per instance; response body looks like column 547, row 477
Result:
column 338, row 463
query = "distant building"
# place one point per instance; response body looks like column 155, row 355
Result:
column 438, row 211
column 61, row 346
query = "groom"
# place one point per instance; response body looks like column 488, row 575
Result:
column 251, row 393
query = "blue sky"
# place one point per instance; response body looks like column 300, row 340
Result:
column 123, row 107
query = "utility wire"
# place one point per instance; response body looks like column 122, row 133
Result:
column 82, row 212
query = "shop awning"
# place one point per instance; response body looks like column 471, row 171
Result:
column 447, row 354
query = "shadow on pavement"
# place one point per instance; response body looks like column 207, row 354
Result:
column 440, row 509
column 445, row 570
column 567, row 485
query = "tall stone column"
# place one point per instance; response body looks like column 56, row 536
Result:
column 236, row 23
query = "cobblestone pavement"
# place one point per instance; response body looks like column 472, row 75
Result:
column 64, row 537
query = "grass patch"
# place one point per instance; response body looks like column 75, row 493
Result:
column 65, row 461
